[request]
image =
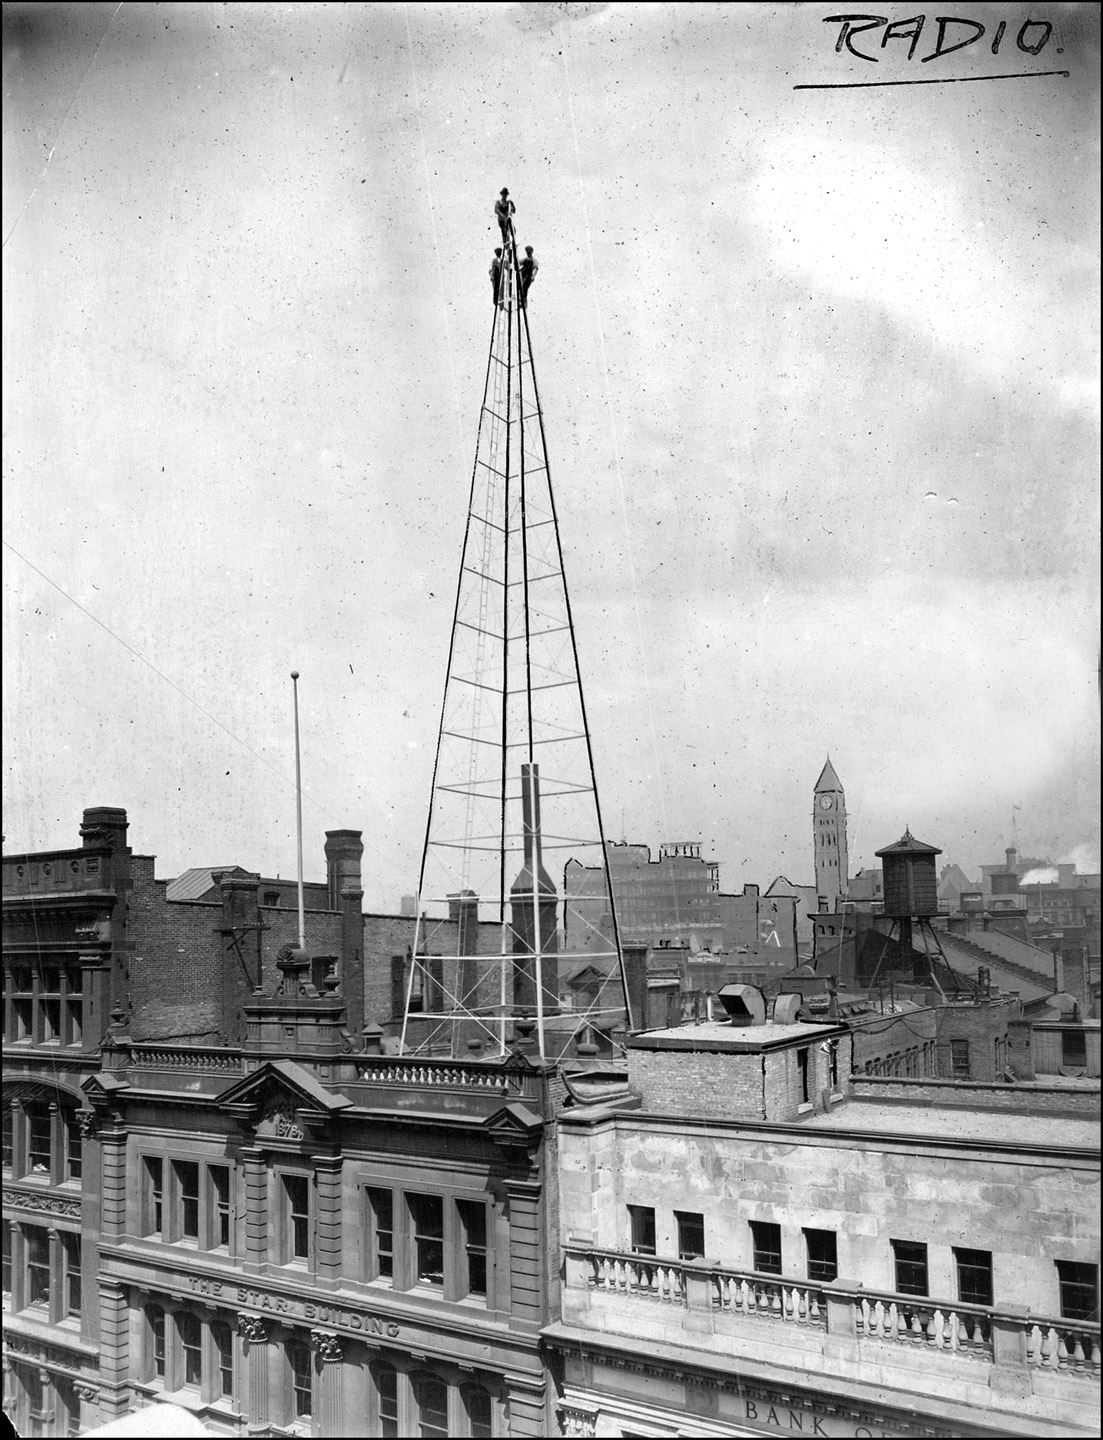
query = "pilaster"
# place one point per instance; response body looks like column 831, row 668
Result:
column 256, row 1210
column 327, row 1170
column 114, row 1348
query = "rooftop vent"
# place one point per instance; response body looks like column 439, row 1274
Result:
column 743, row 1004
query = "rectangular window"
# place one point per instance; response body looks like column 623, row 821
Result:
column 398, row 985
column 835, row 1064
column 974, row 1276
column 380, row 1235
column 959, row 1059
column 691, row 1234
column 38, row 1266
column 74, row 1147
column 911, row 1267
column 473, row 1226
column 219, row 1202
column 8, row 1132
column 823, row 1263
column 191, row 1342
column 802, row 1071
column 71, row 1247
column 38, row 1139
column 51, row 1020
column 428, row 1217
column 24, row 1019
column 7, row 1258
column 155, row 1318
column 302, row 1398
column 1074, row 1047
column 1079, row 1284
column 222, row 1338
column 296, row 1193
column 766, row 1237
column 187, row 1187
column 641, row 1229
column 153, row 1199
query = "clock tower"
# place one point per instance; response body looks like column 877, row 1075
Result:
column 829, row 830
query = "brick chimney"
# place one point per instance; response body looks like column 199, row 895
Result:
column 104, row 825
column 344, row 850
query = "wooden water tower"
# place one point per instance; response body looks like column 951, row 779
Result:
column 910, row 886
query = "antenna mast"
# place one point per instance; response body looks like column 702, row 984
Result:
column 299, row 809
column 516, row 921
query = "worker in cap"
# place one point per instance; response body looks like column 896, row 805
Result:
column 504, row 209
column 496, row 273
column 529, row 267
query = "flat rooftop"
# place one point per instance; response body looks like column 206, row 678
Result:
column 960, row 1122
column 719, row 1035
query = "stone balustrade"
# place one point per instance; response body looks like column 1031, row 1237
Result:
column 211, row 1058
column 388, row 1070
column 1007, row 1336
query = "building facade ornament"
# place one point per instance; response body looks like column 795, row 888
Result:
column 330, row 1347
column 574, row 1420
column 253, row 1329
column 43, row 1203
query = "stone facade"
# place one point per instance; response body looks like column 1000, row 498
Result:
column 733, row 1276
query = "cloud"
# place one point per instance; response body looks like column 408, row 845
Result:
column 941, row 261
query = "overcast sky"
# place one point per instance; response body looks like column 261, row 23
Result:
column 819, row 373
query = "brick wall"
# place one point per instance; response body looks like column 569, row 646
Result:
column 1034, row 1098
column 181, row 963
column 698, row 1083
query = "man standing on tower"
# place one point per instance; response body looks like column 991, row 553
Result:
column 504, row 209
column 496, row 272
column 529, row 267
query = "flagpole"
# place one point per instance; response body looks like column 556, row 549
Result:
column 299, row 809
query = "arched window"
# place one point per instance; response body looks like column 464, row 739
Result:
column 478, row 1408
column 386, row 1389
column 431, row 1406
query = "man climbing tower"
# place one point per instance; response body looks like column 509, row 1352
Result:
column 529, row 267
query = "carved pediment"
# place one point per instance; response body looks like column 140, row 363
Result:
column 515, row 1126
column 282, row 1100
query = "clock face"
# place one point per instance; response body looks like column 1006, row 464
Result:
column 826, row 802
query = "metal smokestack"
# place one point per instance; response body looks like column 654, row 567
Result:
column 534, row 921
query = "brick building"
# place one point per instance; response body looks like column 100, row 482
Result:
column 219, row 1189
column 763, row 1247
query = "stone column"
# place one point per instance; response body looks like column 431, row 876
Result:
column 256, row 1210
column 327, row 1170
column 57, row 1146
column 330, row 1350
column 253, row 1330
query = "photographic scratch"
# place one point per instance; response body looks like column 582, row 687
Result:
column 61, row 127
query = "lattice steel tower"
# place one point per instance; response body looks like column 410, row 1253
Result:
column 498, row 943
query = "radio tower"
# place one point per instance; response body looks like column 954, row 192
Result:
column 497, row 941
